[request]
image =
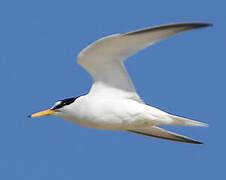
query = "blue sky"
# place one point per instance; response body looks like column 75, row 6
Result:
column 184, row 75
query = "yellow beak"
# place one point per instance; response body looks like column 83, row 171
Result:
column 43, row 113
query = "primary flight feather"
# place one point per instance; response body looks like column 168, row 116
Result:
column 112, row 102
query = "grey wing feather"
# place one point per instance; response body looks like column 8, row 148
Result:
column 158, row 132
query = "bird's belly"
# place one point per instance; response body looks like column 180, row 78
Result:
column 99, row 122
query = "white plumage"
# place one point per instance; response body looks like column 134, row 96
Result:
column 112, row 102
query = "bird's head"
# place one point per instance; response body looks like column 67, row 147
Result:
column 57, row 108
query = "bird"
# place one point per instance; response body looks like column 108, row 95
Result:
column 112, row 102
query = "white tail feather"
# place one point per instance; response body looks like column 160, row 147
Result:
column 181, row 121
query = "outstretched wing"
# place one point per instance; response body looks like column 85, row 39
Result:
column 158, row 132
column 103, row 59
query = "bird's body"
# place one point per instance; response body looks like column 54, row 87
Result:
column 114, row 113
column 112, row 102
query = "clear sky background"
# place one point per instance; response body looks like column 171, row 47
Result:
column 184, row 75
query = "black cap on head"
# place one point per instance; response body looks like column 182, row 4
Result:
column 61, row 103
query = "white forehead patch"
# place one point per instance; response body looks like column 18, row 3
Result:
column 56, row 104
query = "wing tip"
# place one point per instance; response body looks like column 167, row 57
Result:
column 201, row 25
column 193, row 141
column 186, row 25
column 182, row 139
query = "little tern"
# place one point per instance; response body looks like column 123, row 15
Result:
column 112, row 102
